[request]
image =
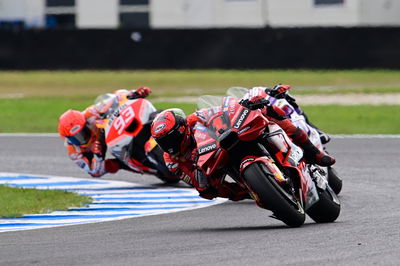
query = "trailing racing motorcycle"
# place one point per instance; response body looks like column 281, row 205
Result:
column 126, row 123
column 257, row 154
column 298, row 118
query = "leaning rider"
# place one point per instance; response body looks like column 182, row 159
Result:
column 282, row 91
column 174, row 132
column 85, row 142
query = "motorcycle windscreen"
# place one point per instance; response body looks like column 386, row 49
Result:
column 208, row 101
column 236, row 92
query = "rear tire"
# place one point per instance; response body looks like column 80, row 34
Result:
column 325, row 210
column 272, row 196
column 334, row 181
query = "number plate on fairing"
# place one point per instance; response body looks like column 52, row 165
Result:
column 295, row 154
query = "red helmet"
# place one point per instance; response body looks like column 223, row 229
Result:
column 171, row 132
column 72, row 125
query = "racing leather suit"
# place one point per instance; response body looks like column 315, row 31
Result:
column 184, row 165
column 91, row 156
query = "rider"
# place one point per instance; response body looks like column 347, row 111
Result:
column 174, row 133
column 282, row 91
column 85, row 142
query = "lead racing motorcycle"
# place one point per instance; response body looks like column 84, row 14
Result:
column 126, row 123
column 257, row 154
column 286, row 102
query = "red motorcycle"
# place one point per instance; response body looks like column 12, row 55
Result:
column 126, row 124
column 257, row 154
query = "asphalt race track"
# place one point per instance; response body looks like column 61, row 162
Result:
column 366, row 233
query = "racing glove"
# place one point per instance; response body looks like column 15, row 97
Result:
column 141, row 92
column 254, row 99
column 254, row 105
column 279, row 91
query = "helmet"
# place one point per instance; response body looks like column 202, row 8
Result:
column 72, row 125
column 106, row 104
column 171, row 132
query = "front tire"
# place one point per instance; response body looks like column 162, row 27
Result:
column 284, row 206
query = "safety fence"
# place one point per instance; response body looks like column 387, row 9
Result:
column 328, row 48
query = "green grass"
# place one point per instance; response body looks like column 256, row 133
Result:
column 32, row 101
column 41, row 116
column 36, row 114
column 342, row 119
column 193, row 82
column 32, row 201
column 360, row 119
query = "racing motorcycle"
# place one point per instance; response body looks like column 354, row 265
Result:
column 257, row 154
column 298, row 118
column 126, row 123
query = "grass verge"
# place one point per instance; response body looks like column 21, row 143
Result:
column 193, row 82
column 32, row 101
column 356, row 119
column 40, row 116
column 27, row 201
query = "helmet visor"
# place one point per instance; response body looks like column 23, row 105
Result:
column 171, row 142
column 80, row 138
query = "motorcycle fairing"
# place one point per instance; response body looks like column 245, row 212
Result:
column 218, row 125
column 290, row 156
column 268, row 162
column 125, row 123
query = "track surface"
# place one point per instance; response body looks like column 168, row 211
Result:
column 366, row 233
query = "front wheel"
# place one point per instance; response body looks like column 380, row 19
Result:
column 272, row 196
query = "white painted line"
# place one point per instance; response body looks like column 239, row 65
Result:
column 112, row 200
column 363, row 136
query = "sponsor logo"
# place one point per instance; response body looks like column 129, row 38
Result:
column 200, row 135
column 242, row 117
column 207, row 148
column 245, row 162
column 186, row 179
column 232, row 108
column 159, row 128
column 243, row 130
column 74, row 129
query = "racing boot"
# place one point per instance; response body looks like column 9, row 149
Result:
column 315, row 156
column 325, row 138
column 312, row 154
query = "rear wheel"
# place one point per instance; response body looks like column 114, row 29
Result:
column 272, row 196
column 327, row 209
column 335, row 182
